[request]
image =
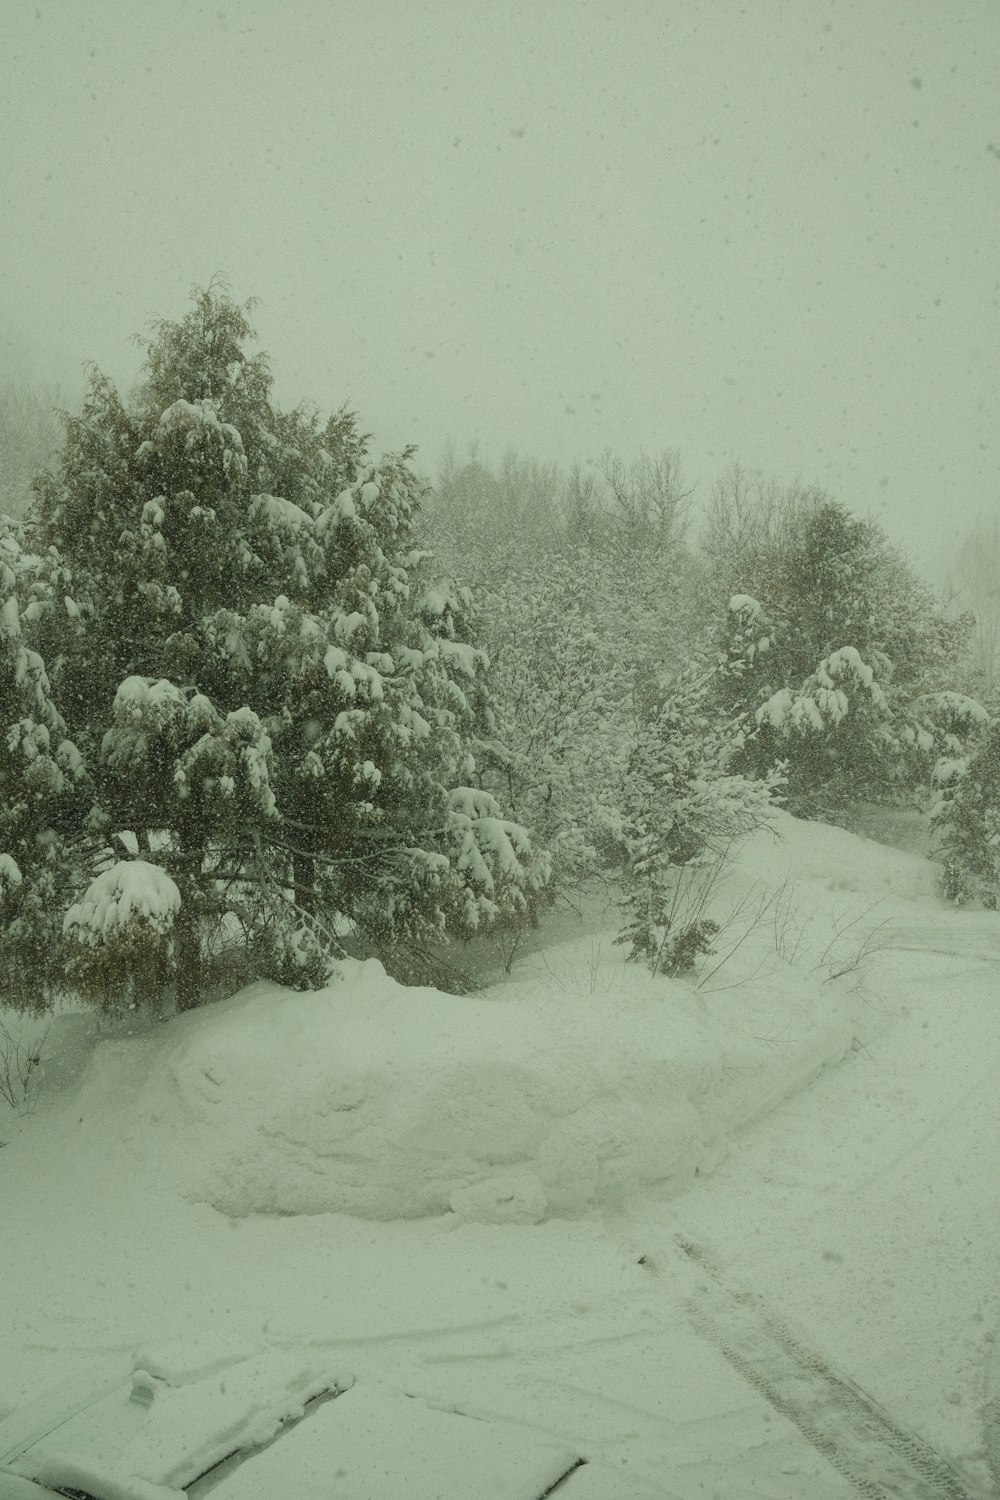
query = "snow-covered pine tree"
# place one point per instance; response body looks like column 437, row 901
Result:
column 274, row 704
column 966, row 817
column 826, row 652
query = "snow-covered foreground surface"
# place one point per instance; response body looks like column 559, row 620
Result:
column 650, row 1222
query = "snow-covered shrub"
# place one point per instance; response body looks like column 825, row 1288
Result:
column 293, row 948
column 686, row 814
column 666, row 926
column 122, row 949
column 966, row 821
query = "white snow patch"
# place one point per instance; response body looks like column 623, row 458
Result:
column 283, row 515
column 949, row 769
column 957, row 705
column 141, row 700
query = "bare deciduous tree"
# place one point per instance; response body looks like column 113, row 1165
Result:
column 483, row 518
column 30, row 435
column 649, row 504
column 748, row 522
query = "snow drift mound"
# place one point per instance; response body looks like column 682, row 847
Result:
column 371, row 1099
column 840, row 862
column 383, row 1102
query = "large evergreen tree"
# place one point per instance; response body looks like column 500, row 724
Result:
column 273, row 704
column 831, row 644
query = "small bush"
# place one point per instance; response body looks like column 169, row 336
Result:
column 19, row 1064
column 673, row 951
column 685, row 815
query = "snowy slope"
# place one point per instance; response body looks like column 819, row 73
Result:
column 482, row 1200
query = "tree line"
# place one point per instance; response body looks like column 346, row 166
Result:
column 266, row 701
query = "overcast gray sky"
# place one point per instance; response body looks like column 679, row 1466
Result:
column 768, row 231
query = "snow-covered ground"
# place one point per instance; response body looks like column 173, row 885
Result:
column 733, row 1237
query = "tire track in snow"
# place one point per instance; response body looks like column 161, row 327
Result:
column 992, row 1426
column 991, row 1415
column 863, row 1442
column 949, row 940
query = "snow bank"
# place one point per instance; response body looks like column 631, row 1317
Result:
column 824, row 860
column 518, row 1104
column 578, row 1084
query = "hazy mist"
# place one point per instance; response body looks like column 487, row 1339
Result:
column 765, row 231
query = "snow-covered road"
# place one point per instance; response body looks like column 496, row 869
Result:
column 866, row 1210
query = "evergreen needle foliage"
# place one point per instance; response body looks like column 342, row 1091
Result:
column 685, row 814
column 235, row 707
column 829, row 637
